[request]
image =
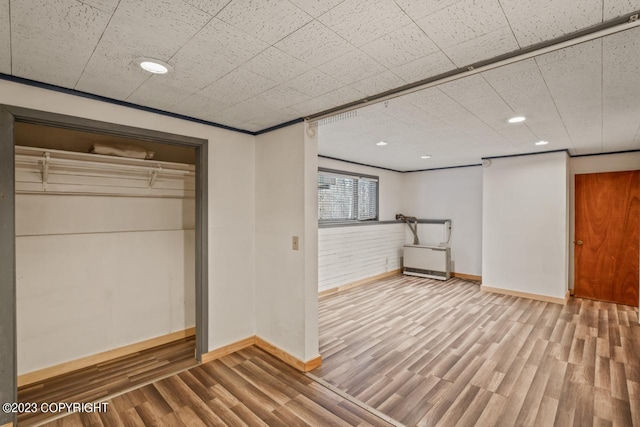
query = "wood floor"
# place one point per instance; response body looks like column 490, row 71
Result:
column 427, row 352
column 109, row 378
column 249, row 387
column 424, row 352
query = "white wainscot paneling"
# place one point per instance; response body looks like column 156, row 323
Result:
column 349, row 254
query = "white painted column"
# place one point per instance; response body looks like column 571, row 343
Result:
column 525, row 224
column 286, row 279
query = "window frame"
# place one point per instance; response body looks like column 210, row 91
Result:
column 358, row 176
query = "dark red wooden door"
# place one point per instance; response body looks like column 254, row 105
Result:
column 607, row 220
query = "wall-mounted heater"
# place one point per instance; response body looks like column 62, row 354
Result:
column 427, row 261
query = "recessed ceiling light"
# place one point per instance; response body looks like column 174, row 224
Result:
column 425, row 157
column 517, row 119
column 381, row 143
column 154, row 66
column 542, row 142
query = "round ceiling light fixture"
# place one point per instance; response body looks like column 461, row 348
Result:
column 425, row 157
column 154, row 66
column 517, row 119
column 542, row 142
column 381, row 143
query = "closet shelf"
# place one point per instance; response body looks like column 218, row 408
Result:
column 40, row 170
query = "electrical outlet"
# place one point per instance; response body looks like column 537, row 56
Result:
column 295, row 243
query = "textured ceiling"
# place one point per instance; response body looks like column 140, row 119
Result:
column 253, row 64
column 585, row 98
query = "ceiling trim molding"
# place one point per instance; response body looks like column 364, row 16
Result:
column 445, row 167
column 483, row 158
column 395, row 170
column 359, row 164
column 622, row 23
column 81, row 94
column 564, row 150
column 604, row 154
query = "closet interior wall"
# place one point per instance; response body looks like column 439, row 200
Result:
column 104, row 256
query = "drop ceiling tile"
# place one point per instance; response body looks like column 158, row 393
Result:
column 410, row 114
column 616, row 8
column 112, row 76
column 312, row 106
column 155, row 93
column 401, row 46
column 313, row 83
column 463, row 21
column 216, row 50
column 584, row 125
column 314, row 44
column 154, row 28
column 239, row 85
column 379, row 83
column 237, row 114
column 199, row 106
column 270, row 119
column 568, row 77
column 112, row 73
column 462, row 83
column 483, row 47
column 420, row 9
column 352, row 67
column 535, row 103
column 423, row 68
column 276, row 65
column 492, row 111
column 316, row 8
column 541, row 20
column 435, row 102
column 576, row 53
column 519, row 135
column 278, row 98
column 140, row 28
column 362, row 21
column 5, row 38
column 626, row 37
column 468, row 89
column 104, row 5
column 269, row 21
column 212, row 7
column 341, row 96
column 51, row 42
column 515, row 76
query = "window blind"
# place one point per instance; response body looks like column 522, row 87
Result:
column 345, row 197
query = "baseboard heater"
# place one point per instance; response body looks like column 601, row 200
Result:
column 427, row 261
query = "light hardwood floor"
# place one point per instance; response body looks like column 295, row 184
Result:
column 249, row 387
column 105, row 379
column 427, row 352
column 424, row 352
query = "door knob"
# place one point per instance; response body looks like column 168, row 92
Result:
column 579, row 242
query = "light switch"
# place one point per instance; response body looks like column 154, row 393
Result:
column 295, row 243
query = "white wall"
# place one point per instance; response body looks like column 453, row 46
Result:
column 99, row 269
column 594, row 164
column 286, row 281
column 525, row 224
column 348, row 254
column 231, row 200
column 390, row 186
column 454, row 194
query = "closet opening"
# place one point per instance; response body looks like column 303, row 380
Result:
column 110, row 276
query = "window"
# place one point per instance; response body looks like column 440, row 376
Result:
column 343, row 196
